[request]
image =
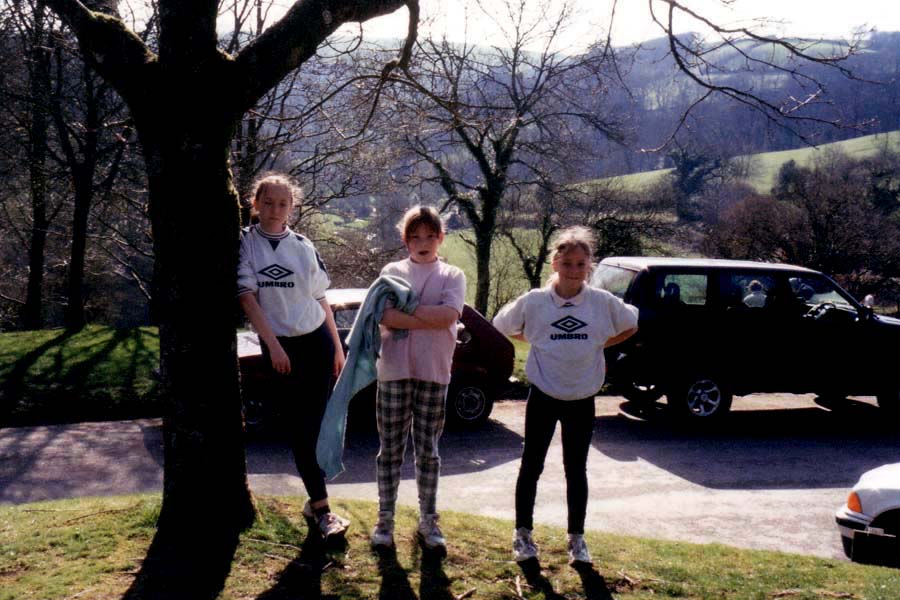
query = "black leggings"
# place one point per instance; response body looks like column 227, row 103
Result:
column 576, row 417
column 301, row 396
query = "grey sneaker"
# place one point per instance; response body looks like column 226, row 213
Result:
column 578, row 551
column 524, row 547
column 429, row 532
column 330, row 524
column 383, row 534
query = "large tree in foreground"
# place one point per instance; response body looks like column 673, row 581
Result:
column 186, row 100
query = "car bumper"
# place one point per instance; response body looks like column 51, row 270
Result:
column 849, row 521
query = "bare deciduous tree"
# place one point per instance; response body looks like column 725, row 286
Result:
column 186, row 100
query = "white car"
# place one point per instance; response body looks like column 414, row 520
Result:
column 870, row 521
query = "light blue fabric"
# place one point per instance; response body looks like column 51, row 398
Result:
column 363, row 344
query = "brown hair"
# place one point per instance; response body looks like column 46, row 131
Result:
column 570, row 238
column 267, row 180
column 420, row 215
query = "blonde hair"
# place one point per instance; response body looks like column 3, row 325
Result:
column 420, row 215
column 570, row 238
column 268, row 180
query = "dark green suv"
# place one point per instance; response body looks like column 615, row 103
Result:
column 712, row 329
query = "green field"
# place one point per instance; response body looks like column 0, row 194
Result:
column 767, row 164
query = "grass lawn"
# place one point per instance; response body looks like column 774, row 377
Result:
column 99, row 373
column 96, row 549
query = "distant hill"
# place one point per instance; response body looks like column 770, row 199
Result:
column 767, row 164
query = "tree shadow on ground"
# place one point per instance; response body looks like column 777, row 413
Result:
column 69, row 389
column 185, row 567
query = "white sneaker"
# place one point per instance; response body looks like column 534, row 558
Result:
column 383, row 534
column 330, row 524
column 524, row 547
column 430, row 534
column 578, row 551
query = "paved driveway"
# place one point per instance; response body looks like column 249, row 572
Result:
column 770, row 478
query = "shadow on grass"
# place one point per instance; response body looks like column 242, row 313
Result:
column 595, row 587
column 99, row 382
column 184, row 567
column 394, row 580
column 433, row 583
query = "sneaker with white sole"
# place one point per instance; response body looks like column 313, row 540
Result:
column 578, row 551
column 383, row 534
column 524, row 547
column 331, row 525
column 430, row 534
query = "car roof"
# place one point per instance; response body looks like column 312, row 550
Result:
column 647, row 262
column 343, row 296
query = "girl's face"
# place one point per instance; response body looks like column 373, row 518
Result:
column 274, row 204
column 423, row 243
column 573, row 267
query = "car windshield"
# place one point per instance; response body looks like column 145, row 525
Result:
column 814, row 290
column 612, row 279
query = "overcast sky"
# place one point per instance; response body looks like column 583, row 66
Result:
column 807, row 18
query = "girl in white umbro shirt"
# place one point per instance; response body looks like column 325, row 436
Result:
column 568, row 324
column 281, row 287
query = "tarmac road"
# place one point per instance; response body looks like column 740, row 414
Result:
column 770, row 477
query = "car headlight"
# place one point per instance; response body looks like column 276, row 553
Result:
column 853, row 502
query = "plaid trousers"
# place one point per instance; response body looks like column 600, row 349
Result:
column 400, row 405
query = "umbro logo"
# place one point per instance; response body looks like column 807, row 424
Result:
column 275, row 272
column 569, row 324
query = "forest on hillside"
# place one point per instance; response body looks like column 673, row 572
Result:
column 501, row 139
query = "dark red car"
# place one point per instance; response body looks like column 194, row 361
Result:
column 482, row 365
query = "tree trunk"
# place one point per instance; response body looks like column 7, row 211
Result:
column 483, row 238
column 194, row 214
column 75, row 318
column 39, row 84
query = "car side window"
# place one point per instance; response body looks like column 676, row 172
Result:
column 815, row 290
column 747, row 290
column 682, row 289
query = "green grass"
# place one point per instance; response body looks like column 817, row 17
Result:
column 97, row 373
column 767, row 164
column 95, row 549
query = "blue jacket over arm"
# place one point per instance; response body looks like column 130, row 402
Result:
column 363, row 344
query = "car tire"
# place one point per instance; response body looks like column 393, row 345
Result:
column 254, row 414
column 641, row 393
column 468, row 404
column 700, row 398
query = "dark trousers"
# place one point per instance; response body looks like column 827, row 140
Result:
column 576, row 418
column 301, row 397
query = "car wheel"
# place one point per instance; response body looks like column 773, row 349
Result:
column 254, row 415
column 468, row 404
column 701, row 398
column 641, row 393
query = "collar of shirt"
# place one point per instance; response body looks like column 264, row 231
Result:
column 561, row 302
column 273, row 236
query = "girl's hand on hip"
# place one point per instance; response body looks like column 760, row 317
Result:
column 280, row 361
